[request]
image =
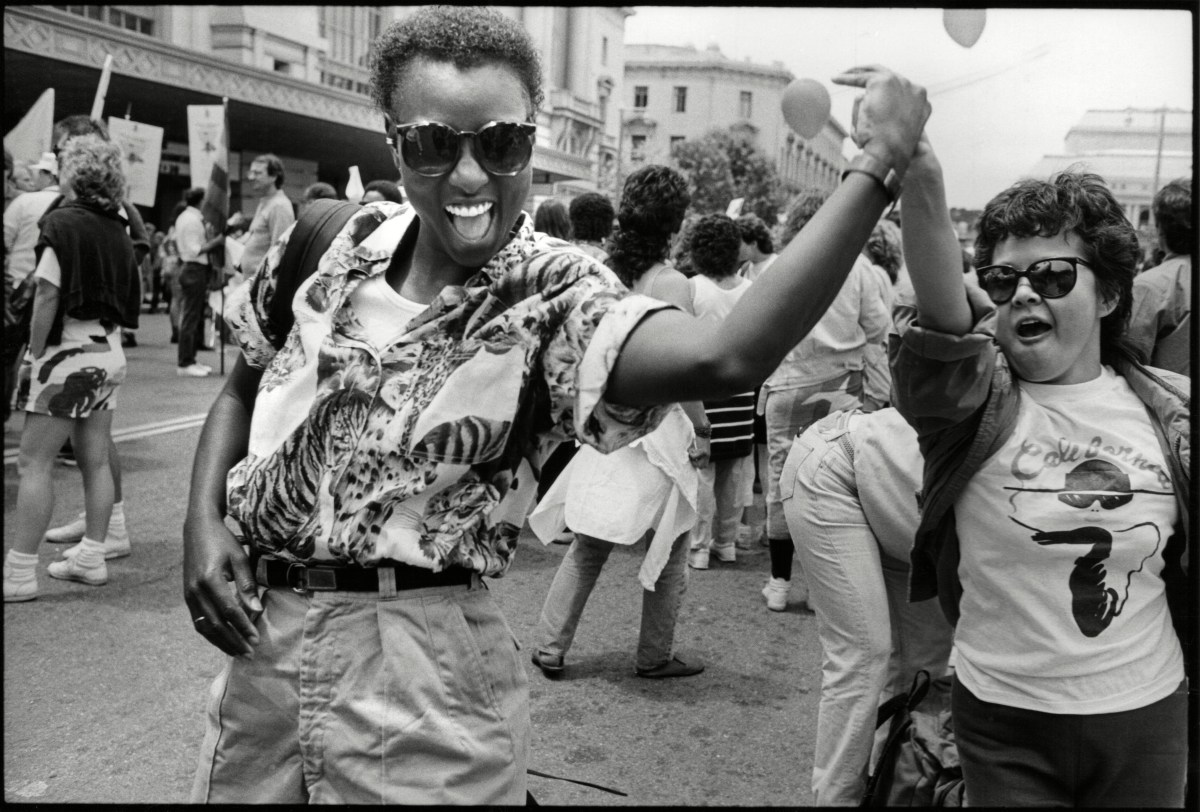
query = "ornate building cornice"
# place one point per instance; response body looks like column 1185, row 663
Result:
column 70, row 38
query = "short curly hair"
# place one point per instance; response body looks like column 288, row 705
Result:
column 466, row 37
column 884, row 248
column 1079, row 202
column 653, row 204
column 591, row 216
column 1174, row 216
column 800, row 211
column 91, row 167
column 714, row 245
column 755, row 231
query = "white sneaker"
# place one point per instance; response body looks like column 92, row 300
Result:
column 69, row 570
column 69, row 533
column 15, row 590
column 698, row 559
column 726, row 554
column 205, row 366
column 193, row 371
column 116, row 545
column 776, row 593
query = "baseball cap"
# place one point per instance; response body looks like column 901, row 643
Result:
column 48, row 163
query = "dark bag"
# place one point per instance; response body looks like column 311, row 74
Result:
column 18, row 313
column 311, row 238
column 919, row 762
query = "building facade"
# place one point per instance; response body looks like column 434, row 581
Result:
column 679, row 93
column 297, row 81
column 1136, row 151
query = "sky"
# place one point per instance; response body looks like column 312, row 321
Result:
column 998, row 106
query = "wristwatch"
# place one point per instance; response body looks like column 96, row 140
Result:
column 883, row 174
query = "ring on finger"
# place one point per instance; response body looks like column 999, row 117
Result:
column 196, row 620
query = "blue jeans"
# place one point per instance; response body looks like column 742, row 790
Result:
column 573, row 585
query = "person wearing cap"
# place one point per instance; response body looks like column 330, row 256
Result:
column 20, row 237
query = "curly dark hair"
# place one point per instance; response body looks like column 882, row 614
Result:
column 800, row 211
column 551, row 218
column 714, row 246
column 591, row 216
column 1174, row 216
column 653, row 203
column 1079, row 202
column 884, row 249
column 388, row 189
column 465, row 36
column 754, row 230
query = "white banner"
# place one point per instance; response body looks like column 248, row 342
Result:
column 205, row 123
column 31, row 137
column 142, row 146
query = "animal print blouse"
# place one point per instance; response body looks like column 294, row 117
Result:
column 425, row 451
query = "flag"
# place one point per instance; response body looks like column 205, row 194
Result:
column 215, row 207
column 31, row 137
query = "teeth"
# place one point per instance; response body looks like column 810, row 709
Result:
column 469, row 211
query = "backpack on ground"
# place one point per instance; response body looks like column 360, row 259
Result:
column 918, row 765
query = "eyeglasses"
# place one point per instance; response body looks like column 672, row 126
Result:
column 433, row 149
column 1084, row 499
column 1050, row 278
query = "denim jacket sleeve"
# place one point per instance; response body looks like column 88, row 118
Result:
column 942, row 380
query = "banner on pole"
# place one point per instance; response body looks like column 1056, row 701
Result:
column 141, row 145
column 206, row 131
column 31, row 137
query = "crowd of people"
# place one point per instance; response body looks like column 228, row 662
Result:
column 969, row 463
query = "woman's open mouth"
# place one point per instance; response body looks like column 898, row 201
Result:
column 1032, row 328
column 471, row 222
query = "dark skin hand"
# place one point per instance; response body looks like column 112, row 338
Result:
column 212, row 556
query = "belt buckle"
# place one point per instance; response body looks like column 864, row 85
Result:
column 305, row 579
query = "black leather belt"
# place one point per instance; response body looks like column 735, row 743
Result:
column 335, row 578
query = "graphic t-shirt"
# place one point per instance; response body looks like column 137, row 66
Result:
column 1062, row 535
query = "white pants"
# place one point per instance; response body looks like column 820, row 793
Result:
column 853, row 530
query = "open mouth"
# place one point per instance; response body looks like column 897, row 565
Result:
column 470, row 222
column 1032, row 328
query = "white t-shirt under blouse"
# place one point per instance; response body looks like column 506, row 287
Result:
column 1062, row 534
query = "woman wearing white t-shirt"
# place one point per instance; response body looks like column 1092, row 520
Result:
column 1055, row 497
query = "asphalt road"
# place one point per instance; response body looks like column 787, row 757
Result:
column 104, row 687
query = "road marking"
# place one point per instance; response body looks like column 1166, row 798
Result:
column 137, row 432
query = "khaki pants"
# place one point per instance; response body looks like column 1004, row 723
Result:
column 351, row 698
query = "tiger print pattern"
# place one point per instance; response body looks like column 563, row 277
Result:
column 345, row 435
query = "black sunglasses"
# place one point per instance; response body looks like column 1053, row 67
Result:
column 1050, row 278
column 433, row 149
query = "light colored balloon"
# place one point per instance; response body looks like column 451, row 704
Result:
column 354, row 189
column 964, row 25
column 806, row 105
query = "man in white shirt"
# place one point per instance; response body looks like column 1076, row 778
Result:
column 191, row 237
column 273, row 215
column 20, row 236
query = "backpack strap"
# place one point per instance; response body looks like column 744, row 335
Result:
column 310, row 239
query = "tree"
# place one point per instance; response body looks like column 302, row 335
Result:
column 706, row 167
column 724, row 165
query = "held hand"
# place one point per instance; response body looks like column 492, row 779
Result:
column 924, row 164
column 212, row 557
column 889, row 116
column 698, row 454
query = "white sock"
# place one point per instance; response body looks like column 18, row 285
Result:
column 89, row 554
column 20, row 566
column 117, row 521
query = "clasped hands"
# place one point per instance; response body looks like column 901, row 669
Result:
column 889, row 117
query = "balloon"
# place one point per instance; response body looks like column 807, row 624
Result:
column 354, row 189
column 964, row 25
column 805, row 104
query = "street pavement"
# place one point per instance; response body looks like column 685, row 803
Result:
column 104, row 687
